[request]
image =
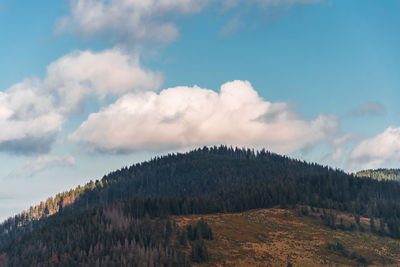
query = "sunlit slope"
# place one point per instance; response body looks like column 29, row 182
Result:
column 279, row 236
column 381, row 174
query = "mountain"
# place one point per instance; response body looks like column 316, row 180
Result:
column 127, row 217
column 381, row 174
column 109, row 237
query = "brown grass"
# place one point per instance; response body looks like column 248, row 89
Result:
column 274, row 237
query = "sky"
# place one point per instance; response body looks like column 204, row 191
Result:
column 90, row 86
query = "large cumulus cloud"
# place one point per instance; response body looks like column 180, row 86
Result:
column 186, row 116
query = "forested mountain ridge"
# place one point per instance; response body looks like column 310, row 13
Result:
column 201, row 171
column 381, row 174
column 203, row 181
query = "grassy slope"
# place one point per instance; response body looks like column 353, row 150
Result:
column 277, row 236
column 381, row 174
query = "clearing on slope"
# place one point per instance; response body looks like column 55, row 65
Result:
column 276, row 237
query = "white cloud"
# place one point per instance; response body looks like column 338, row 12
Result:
column 32, row 112
column 382, row 150
column 186, row 116
column 128, row 19
column 28, row 119
column 145, row 20
column 111, row 72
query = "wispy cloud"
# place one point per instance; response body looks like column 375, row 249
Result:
column 267, row 3
column 128, row 20
column 233, row 25
column 42, row 163
column 369, row 109
column 138, row 21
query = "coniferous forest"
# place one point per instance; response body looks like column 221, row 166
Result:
column 126, row 218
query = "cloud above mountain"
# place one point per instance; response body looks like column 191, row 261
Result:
column 382, row 150
column 189, row 116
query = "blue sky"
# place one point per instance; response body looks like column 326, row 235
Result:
column 323, row 85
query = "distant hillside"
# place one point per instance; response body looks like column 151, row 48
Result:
column 128, row 210
column 381, row 174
